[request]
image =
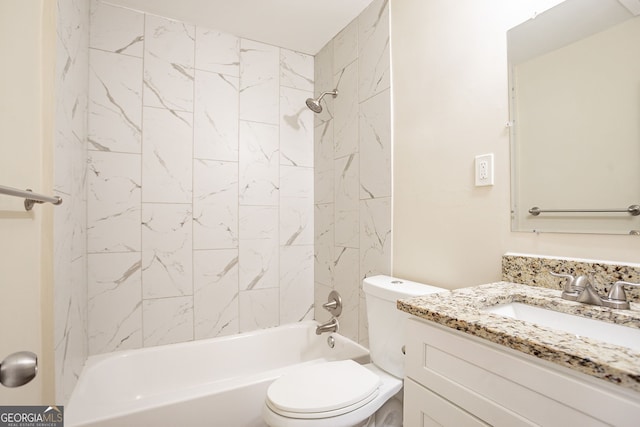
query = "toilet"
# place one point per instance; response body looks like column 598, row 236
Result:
column 344, row 393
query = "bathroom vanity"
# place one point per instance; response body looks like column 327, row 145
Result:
column 468, row 364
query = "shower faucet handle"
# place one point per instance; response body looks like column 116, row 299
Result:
column 333, row 304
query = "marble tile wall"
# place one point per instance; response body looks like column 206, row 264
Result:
column 70, row 230
column 352, row 162
column 200, row 182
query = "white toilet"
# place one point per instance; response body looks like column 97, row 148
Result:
column 345, row 393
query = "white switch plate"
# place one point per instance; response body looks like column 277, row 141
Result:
column 484, row 170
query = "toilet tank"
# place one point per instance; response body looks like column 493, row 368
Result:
column 386, row 322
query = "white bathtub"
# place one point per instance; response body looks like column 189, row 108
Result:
column 215, row 382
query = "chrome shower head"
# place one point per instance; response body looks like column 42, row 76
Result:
column 314, row 103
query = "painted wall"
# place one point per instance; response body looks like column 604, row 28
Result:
column 26, row 116
column 200, row 184
column 70, row 230
column 450, row 103
column 353, row 166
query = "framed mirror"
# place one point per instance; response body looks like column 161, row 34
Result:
column 574, row 80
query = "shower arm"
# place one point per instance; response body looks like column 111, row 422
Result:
column 333, row 93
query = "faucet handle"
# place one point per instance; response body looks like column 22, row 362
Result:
column 617, row 292
column 581, row 283
column 333, row 304
column 568, row 285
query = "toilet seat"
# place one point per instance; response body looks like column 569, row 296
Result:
column 324, row 390
column 352, row 415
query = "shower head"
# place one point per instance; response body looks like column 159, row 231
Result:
column 314, row 103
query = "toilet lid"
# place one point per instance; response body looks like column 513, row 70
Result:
column 335, row 387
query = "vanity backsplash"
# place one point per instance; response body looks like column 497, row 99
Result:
column 534, row 271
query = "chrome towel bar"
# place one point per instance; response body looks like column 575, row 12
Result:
column 30, row 197
column 631, row 210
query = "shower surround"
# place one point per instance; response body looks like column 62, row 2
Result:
column 352, row 165
column 186, row 160
column 70, row 166
column 200, row 182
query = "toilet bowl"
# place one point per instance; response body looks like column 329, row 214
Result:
column 345, row 393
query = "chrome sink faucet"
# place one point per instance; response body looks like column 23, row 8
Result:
column 581, row 290
column 572, row 286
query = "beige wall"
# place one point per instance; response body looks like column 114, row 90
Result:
column 25, row 161
column 450, row 103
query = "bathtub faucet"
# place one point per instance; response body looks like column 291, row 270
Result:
column 330, row 326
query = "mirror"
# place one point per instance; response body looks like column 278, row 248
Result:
column 574, row 80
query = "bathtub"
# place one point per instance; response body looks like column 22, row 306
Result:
column 214, row 382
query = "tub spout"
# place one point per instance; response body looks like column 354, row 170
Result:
column 330, row 326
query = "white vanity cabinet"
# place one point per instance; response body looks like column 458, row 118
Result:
column 454, row 379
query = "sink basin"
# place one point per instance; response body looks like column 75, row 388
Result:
column 580, row 326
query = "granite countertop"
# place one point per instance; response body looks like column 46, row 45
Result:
column 462, row 309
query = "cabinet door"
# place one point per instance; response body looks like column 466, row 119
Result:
column 423, row 408
column 507, row 388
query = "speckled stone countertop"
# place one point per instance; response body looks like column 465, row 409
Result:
column 462, row 309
